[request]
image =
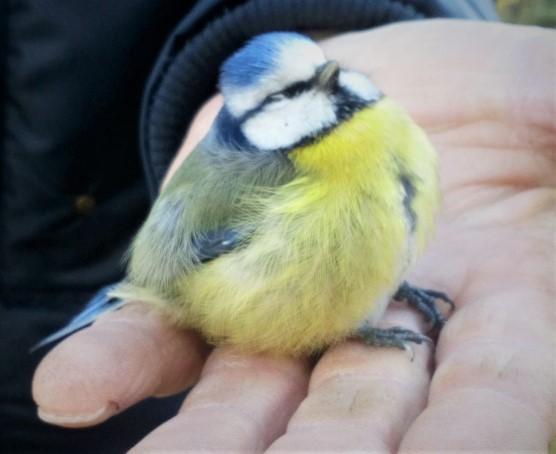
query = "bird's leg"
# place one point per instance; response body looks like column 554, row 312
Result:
column 424, row 301
column 395, row 337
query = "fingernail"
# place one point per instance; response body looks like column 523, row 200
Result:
column 77, row 420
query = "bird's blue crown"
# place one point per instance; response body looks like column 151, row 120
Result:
column 256, row 59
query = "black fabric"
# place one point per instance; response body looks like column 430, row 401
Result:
column 72, row 189
column 73, row 77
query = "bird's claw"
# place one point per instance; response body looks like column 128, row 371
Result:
column 395, row 337
column 424, row 300
column 440, row 296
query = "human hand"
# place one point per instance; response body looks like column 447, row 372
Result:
column 485, row 95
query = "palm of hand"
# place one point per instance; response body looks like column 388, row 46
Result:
column 488, row 114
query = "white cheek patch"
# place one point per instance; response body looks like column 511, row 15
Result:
column 359, row 85
column 297, row 61
column 284, row 125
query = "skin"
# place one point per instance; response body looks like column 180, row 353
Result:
column 485, row 95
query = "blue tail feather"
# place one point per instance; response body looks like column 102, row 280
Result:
column 99, row 304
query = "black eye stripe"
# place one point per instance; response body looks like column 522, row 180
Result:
column 293, row 90
column 290, row 91
column 297, row 88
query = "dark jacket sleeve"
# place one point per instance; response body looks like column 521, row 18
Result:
column 72, row 189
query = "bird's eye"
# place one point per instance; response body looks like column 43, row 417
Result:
column 276, row 97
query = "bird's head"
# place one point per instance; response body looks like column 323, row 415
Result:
column 280, row 91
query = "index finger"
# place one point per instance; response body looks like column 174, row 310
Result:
column 125, row 357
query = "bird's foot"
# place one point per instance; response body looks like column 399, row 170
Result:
column 424, row 301
column 395, row 337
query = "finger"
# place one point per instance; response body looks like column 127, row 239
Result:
column 241, row 404
column 126, row 356
column 494, row 386
column 360, row 398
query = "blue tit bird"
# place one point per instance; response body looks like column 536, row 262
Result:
column 293, row 223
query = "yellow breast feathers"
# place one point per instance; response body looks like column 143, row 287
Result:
column 330, row 245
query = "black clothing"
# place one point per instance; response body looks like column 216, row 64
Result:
column 72, row 187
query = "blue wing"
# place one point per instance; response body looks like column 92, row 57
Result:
column 99, row 304
column 208, row 247
column 213, row 244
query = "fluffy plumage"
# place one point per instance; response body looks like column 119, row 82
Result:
column 298, row 215
column 329, row 195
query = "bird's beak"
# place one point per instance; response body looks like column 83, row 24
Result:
column 327, row 75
